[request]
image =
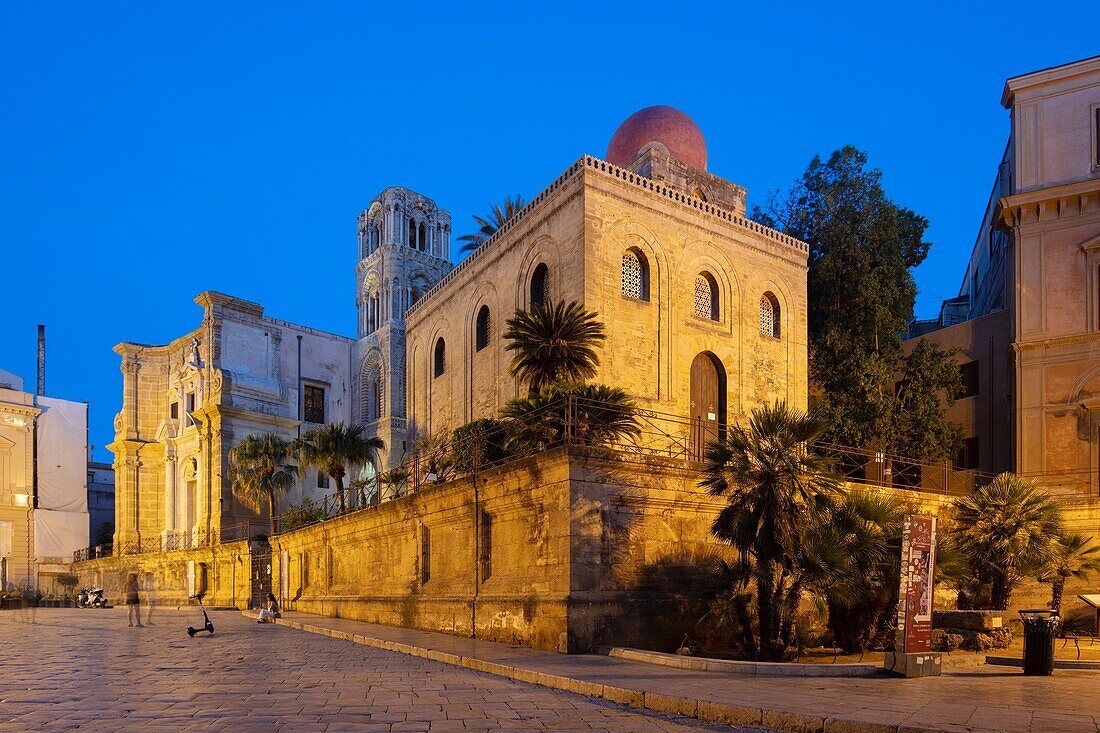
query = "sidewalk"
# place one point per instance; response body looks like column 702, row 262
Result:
column 978, row 700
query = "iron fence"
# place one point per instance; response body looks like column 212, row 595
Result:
column 574, row 420
column 176, row 540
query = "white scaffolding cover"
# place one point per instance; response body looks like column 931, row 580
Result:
column 63, row 455
column 59, row 534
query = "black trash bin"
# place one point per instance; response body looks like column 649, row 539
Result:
column 1040, row 625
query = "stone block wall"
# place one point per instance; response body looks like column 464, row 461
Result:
column 228, row 574
column 567, row 550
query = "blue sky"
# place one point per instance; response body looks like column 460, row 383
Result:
column 152, row 151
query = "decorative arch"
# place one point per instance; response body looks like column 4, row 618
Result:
column 626, row 235
column 543, row 251
column 372, row 388
column 1087, row 387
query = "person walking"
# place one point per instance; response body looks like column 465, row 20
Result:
column 150, row 597
column 133, row 601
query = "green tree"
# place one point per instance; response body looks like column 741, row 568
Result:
column 67, row 581
column 332, row 448
column 1005, row 530
column 861, row 294
column 584, row 414
column 553, row 343
column 478, row 443
column 488, row 226
column 774, row 485
column 1074, row 556
column 260, row 472
column 917, row 421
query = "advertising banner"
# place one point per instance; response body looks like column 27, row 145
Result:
column 918, row 565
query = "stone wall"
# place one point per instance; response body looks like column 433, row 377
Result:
column 567, row 550
column 228, row 574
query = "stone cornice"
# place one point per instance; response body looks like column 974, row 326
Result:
column 1054, row 78
column 1044, row 202
column 12, row 408
column 1081, row 338
column 625, row 176
column 210, row 299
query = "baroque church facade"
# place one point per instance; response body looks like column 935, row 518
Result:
column 705, row 312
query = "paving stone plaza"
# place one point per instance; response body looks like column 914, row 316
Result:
column 69, row 669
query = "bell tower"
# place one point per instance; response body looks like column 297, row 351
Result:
column 404, row 250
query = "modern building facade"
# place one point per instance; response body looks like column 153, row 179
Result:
column 101, row 502
column 43, row 494
column 1027, row 317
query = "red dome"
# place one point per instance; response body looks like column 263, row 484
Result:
column 666, row 125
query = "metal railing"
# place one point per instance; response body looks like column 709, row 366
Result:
column 573, row 420
column 178, row 540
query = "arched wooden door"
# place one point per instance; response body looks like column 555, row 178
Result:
column 708, row 403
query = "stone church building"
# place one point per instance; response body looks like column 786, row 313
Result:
column 705, row 312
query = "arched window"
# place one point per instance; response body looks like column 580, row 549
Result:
column 481, row 330
column 769, row 315
column 412, row 234
column 422, row 240
column 706, row 296
column 635, row 275
column 699, row 194
column 540, row 285
column 415, row 295
column 440, row 357
column 373, row 398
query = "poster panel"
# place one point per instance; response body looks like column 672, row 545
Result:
column 918, row 566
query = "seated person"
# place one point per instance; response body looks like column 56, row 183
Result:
column 269, row 612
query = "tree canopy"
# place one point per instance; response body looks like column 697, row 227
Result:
column 863, row 247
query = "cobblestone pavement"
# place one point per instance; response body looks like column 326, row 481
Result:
column 86, row 669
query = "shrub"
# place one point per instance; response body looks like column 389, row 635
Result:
column 67, row 581
column 303, row 515
column 478, row 443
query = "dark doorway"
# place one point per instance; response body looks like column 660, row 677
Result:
column 708, row 403
column 261, row 573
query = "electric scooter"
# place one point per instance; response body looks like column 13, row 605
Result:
column 208, row 626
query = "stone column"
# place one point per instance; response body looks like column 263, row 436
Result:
column 130, row 368
column 169, row 494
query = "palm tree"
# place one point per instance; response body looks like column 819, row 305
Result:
column 432, row 456
column 774, row 485
column 850, row 560
column 554, row 343
column 331, row 448
column 1075, row 556
column 585, row 414
column 1006, row 529
column 488, row 227
column 260, row 472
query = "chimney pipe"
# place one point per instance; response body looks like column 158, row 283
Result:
column 41, row 360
